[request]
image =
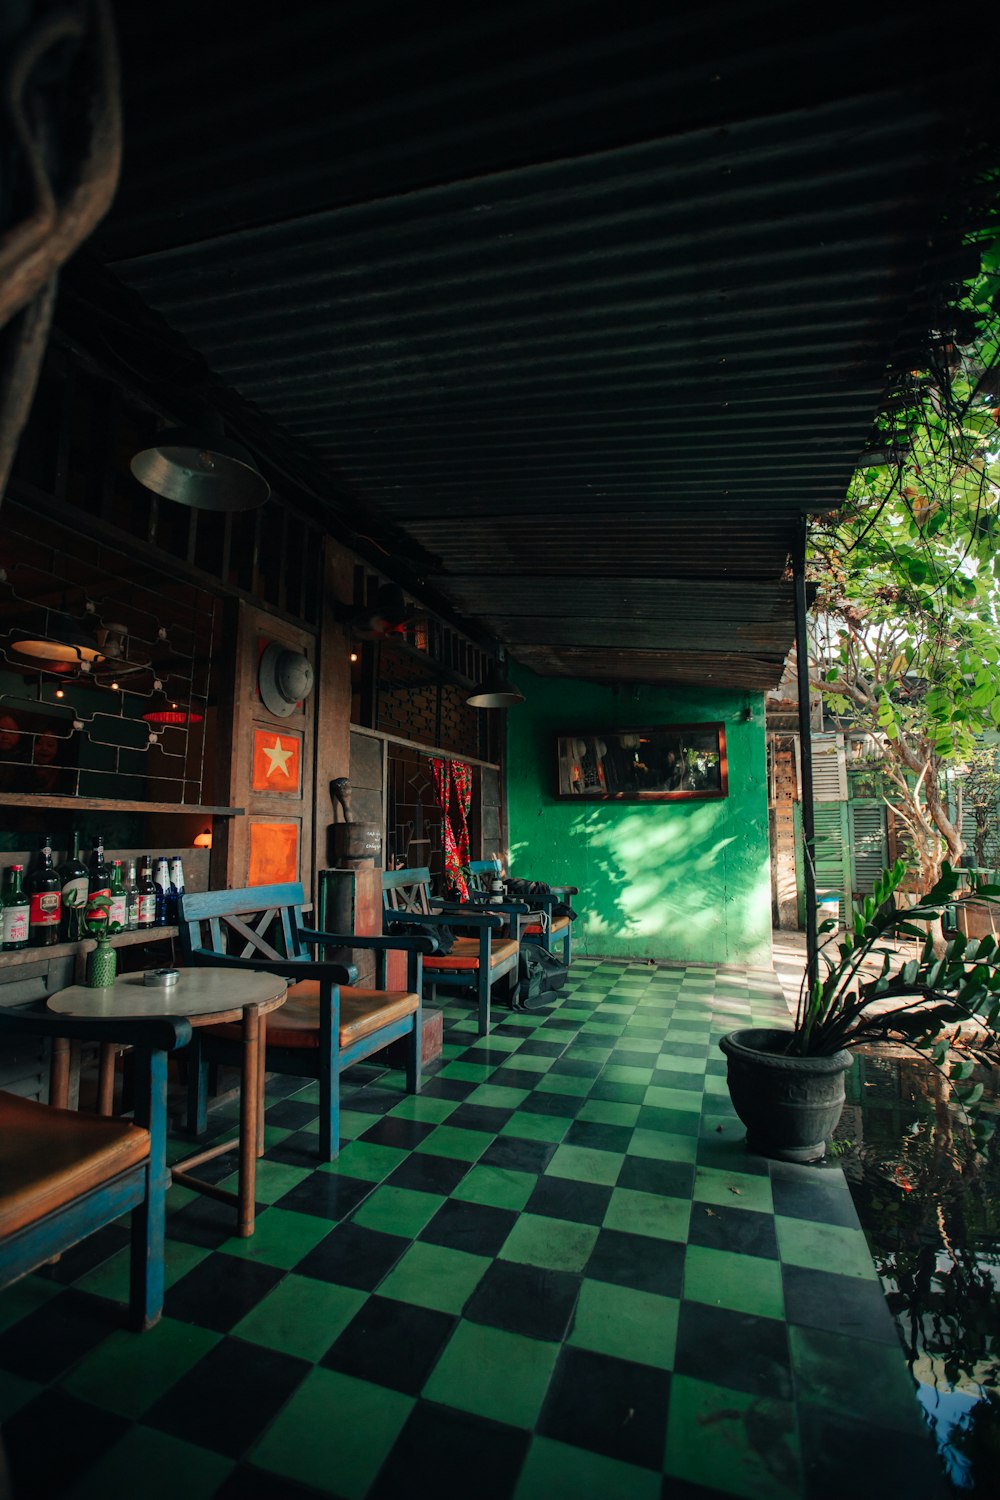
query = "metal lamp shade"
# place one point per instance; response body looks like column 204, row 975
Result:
column 205, row 471
column 495, row 692
column 66, row 642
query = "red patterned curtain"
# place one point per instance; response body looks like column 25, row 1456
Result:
column 453, row 789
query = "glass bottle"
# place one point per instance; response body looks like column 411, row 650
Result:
column 131, row 898
column 118, row 910
column 44, row 891
column 98, row 888
column 73, row 875
column 176, row 889
column 146, row 887
column 16, row 909
column 161, row 877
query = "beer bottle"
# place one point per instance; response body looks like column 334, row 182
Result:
column 44, row 891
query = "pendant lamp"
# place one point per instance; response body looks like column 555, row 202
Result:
column 201, row 467
column 495, row 691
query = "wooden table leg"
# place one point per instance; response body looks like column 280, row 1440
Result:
column 249, row 1117
column 59, row 1073
column 106, row 1078
column 262, row 1070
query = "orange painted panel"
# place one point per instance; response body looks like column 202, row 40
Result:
column 274, row 853
column 277, row 762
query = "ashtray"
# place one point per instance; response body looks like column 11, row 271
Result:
column 161, row 979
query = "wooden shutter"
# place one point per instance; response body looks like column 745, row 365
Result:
column 869, row 845
column 829, row 768
column 833, row 862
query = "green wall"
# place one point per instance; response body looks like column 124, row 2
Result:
column 683, row 881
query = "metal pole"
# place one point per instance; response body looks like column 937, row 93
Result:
column 805, row 758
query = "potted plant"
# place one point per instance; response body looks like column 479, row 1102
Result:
column 787, row 1084
column 102, row 963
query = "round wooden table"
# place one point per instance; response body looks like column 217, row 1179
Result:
column 206, row 997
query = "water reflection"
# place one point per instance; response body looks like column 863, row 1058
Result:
column 930, row 1208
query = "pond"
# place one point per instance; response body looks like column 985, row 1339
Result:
column 930, row 1208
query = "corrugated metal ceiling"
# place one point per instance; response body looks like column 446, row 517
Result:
column 590, row 306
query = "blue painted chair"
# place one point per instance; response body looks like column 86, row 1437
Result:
column 539, row 922
column 65, row 1174
column 327, row 1023
column 475, row 963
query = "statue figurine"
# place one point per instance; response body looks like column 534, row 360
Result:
column 340, row 791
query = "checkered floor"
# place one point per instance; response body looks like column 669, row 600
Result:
column 556, row 1272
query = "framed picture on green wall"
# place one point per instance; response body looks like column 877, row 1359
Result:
column 667, row 763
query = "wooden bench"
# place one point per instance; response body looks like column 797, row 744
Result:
column 328, row 1022
column 65, row 1174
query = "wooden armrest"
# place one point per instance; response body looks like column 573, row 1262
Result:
column 439, row 919
column 159, row 1034
column 288, row 968
column 406, row 943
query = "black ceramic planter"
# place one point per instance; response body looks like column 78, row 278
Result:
column 789, row 1105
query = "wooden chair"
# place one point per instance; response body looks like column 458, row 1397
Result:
column 65, row 1174
column 327, row 1023
column 548, row 928
column 477, row 963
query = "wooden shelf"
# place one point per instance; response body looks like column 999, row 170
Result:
column 22, row 956
column 114, row 804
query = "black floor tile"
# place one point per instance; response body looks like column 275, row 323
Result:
column 451, row 1456
column 448, row 1088
column 429, row 1174
column 566, row 1106
column 513, row 1077
column 517, row 1152
column 89, row 1253
column 479, row 1117
column 842, row 1456
column 391, row 1343
column 290, row 1114
column 203, row 1222
column 637, row 1261
column 811, row 1193
column 353, row 1256
column 371, row 1100
column 608, row 1405
column 403, row 1134
column 673, row 1121
column 646, row 1175
column 667, row 1078
column 623, row 1058
column 619, row 1093
column 535, row 1048
column 472, row 1227
column 562, row 1198
column 734, row 1349
column 53, row 1439
column 298, row 1150
column 574, row 1067
column 53, row 1337
column 227, row 1399
column 219, row 1291
column 244, row 1482
column 327, row 1195
column 839, row 1304
column 598, row 1136
column 741, row 1229
column 524, row 1299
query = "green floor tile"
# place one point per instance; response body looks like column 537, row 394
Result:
column 502, row 1376
column 397, row 1210
column 334, row 1429
column 662, row 1145
column 496, row 1096
column 280, row 1238
column 367, row 1160
column 556, row 1244
column 744, row 1283
column 687, row 1100
column 426, row 1109
column 675, row 1063
column 585, row 1165
column 623, row 1073
column 753, row 1449
column 605, row 1111
column 466, row 1072
column 648, row 1213
column 566, row 1083
column 555, row 1470
column 529, row 1063
column 434, row 1276
column 301, row 1316
column 111, row 1277
column 625, row 1323
column 273, row 1180
column 127, row 1373
column 459, row 1145
column 670, row 1121
column 824, row 1247
column 531, row 1127
column 733, row 1189
column 15, row 1392
column 499, row 1187
column 156, row 1465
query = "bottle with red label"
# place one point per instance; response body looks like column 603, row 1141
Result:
column 14, row 909
column 98, row 889
column 44, row 891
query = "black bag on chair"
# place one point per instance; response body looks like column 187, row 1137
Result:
column 540, row 976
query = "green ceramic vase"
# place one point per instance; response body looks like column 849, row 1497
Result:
column 102, row 965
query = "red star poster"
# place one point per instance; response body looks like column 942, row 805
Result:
column 277, row 762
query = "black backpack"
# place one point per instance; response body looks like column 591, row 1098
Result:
column 540, row 976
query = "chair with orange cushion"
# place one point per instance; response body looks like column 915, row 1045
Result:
column 478, row 962
column 64, row 1174
column 546, row 926
column 327, row 1022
